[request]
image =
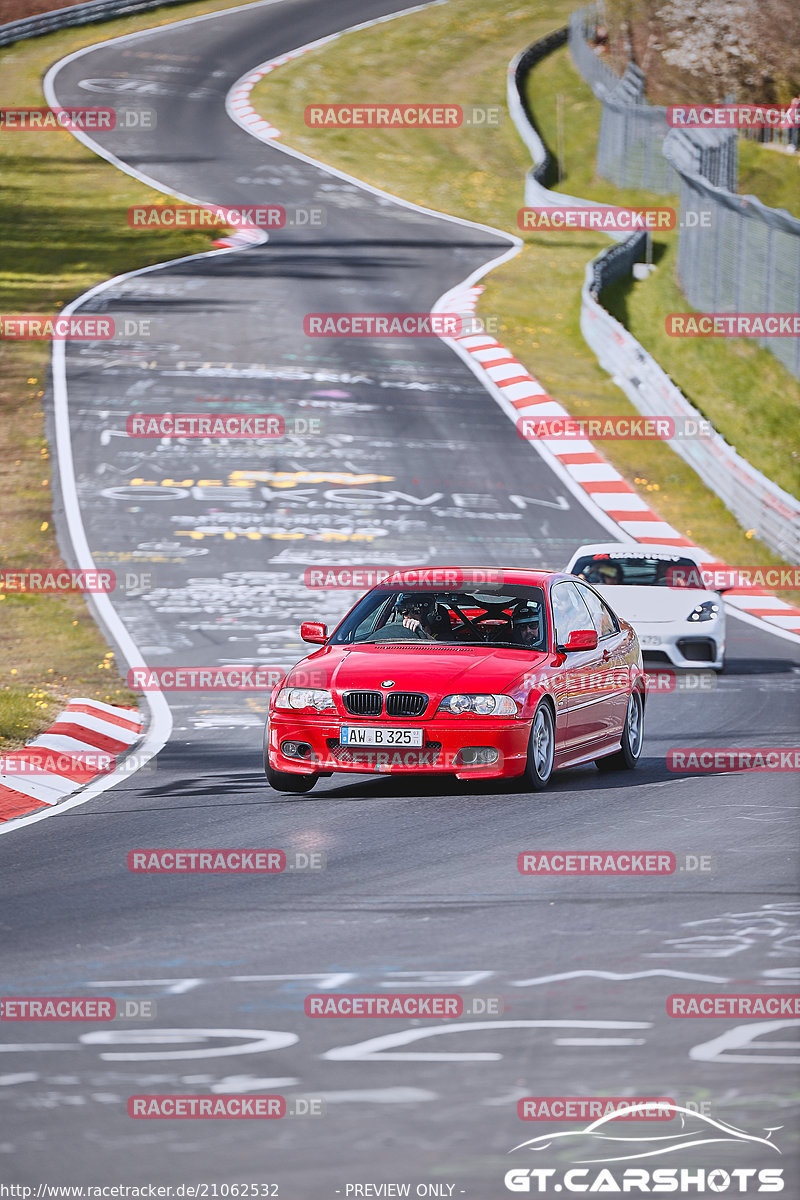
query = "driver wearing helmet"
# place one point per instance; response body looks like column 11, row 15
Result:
column 528, row 629
column 422, row 613
column 606, row 572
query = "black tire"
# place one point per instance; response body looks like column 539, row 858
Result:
column 629, row 753
column 287, row 781
column 541, row 748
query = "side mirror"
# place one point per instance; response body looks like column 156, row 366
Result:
column 315, row 631
column 581, row 639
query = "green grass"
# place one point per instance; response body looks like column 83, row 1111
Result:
column 63, row 217
column 744, row 391
column 460, row 53
column 772, row 175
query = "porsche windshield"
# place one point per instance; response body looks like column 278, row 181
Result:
column 643, row 570
column 510, row 615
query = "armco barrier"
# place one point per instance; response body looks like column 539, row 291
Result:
column 755, row 501
column 78, row 14
column 632, row 131
column 749, row 261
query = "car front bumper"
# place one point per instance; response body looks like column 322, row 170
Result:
column 690, row 647
column 442, row 752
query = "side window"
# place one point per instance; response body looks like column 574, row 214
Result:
column 602, row 616
column 569, row 611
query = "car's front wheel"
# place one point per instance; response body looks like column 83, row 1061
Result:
column 626, row 758
column 541, row 748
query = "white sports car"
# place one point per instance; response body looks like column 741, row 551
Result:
column 650, row 586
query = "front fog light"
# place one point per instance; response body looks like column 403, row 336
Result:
column 477, row 756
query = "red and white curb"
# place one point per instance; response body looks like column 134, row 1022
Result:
column 239, row 96
column 85, row 727
column 601, row 483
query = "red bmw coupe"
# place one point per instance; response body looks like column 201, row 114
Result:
column 474, row 673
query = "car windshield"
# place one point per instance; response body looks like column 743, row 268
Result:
column 505, row 615
column 644, row 570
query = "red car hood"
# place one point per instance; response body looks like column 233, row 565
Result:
column 437, row 670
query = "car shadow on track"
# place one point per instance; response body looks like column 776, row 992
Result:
column 572, row 781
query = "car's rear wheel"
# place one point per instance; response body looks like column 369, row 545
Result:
column 627, row 757
column 287, row 781
column 541, row 748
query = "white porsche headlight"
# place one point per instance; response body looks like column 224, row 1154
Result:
column 482, row 704
column 706, row 611
column 318, row 698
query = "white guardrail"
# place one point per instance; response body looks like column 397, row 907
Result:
column 756, row 502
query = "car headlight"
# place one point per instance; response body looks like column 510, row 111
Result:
column 706, row 611
column 292, row 697
column 484, row 705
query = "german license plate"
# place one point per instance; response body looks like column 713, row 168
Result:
column 369, row 735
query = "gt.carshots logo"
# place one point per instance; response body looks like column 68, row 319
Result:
column 606, row 1141
column 684, row 1181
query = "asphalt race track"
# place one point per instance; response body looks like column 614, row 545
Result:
column 415, row 464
